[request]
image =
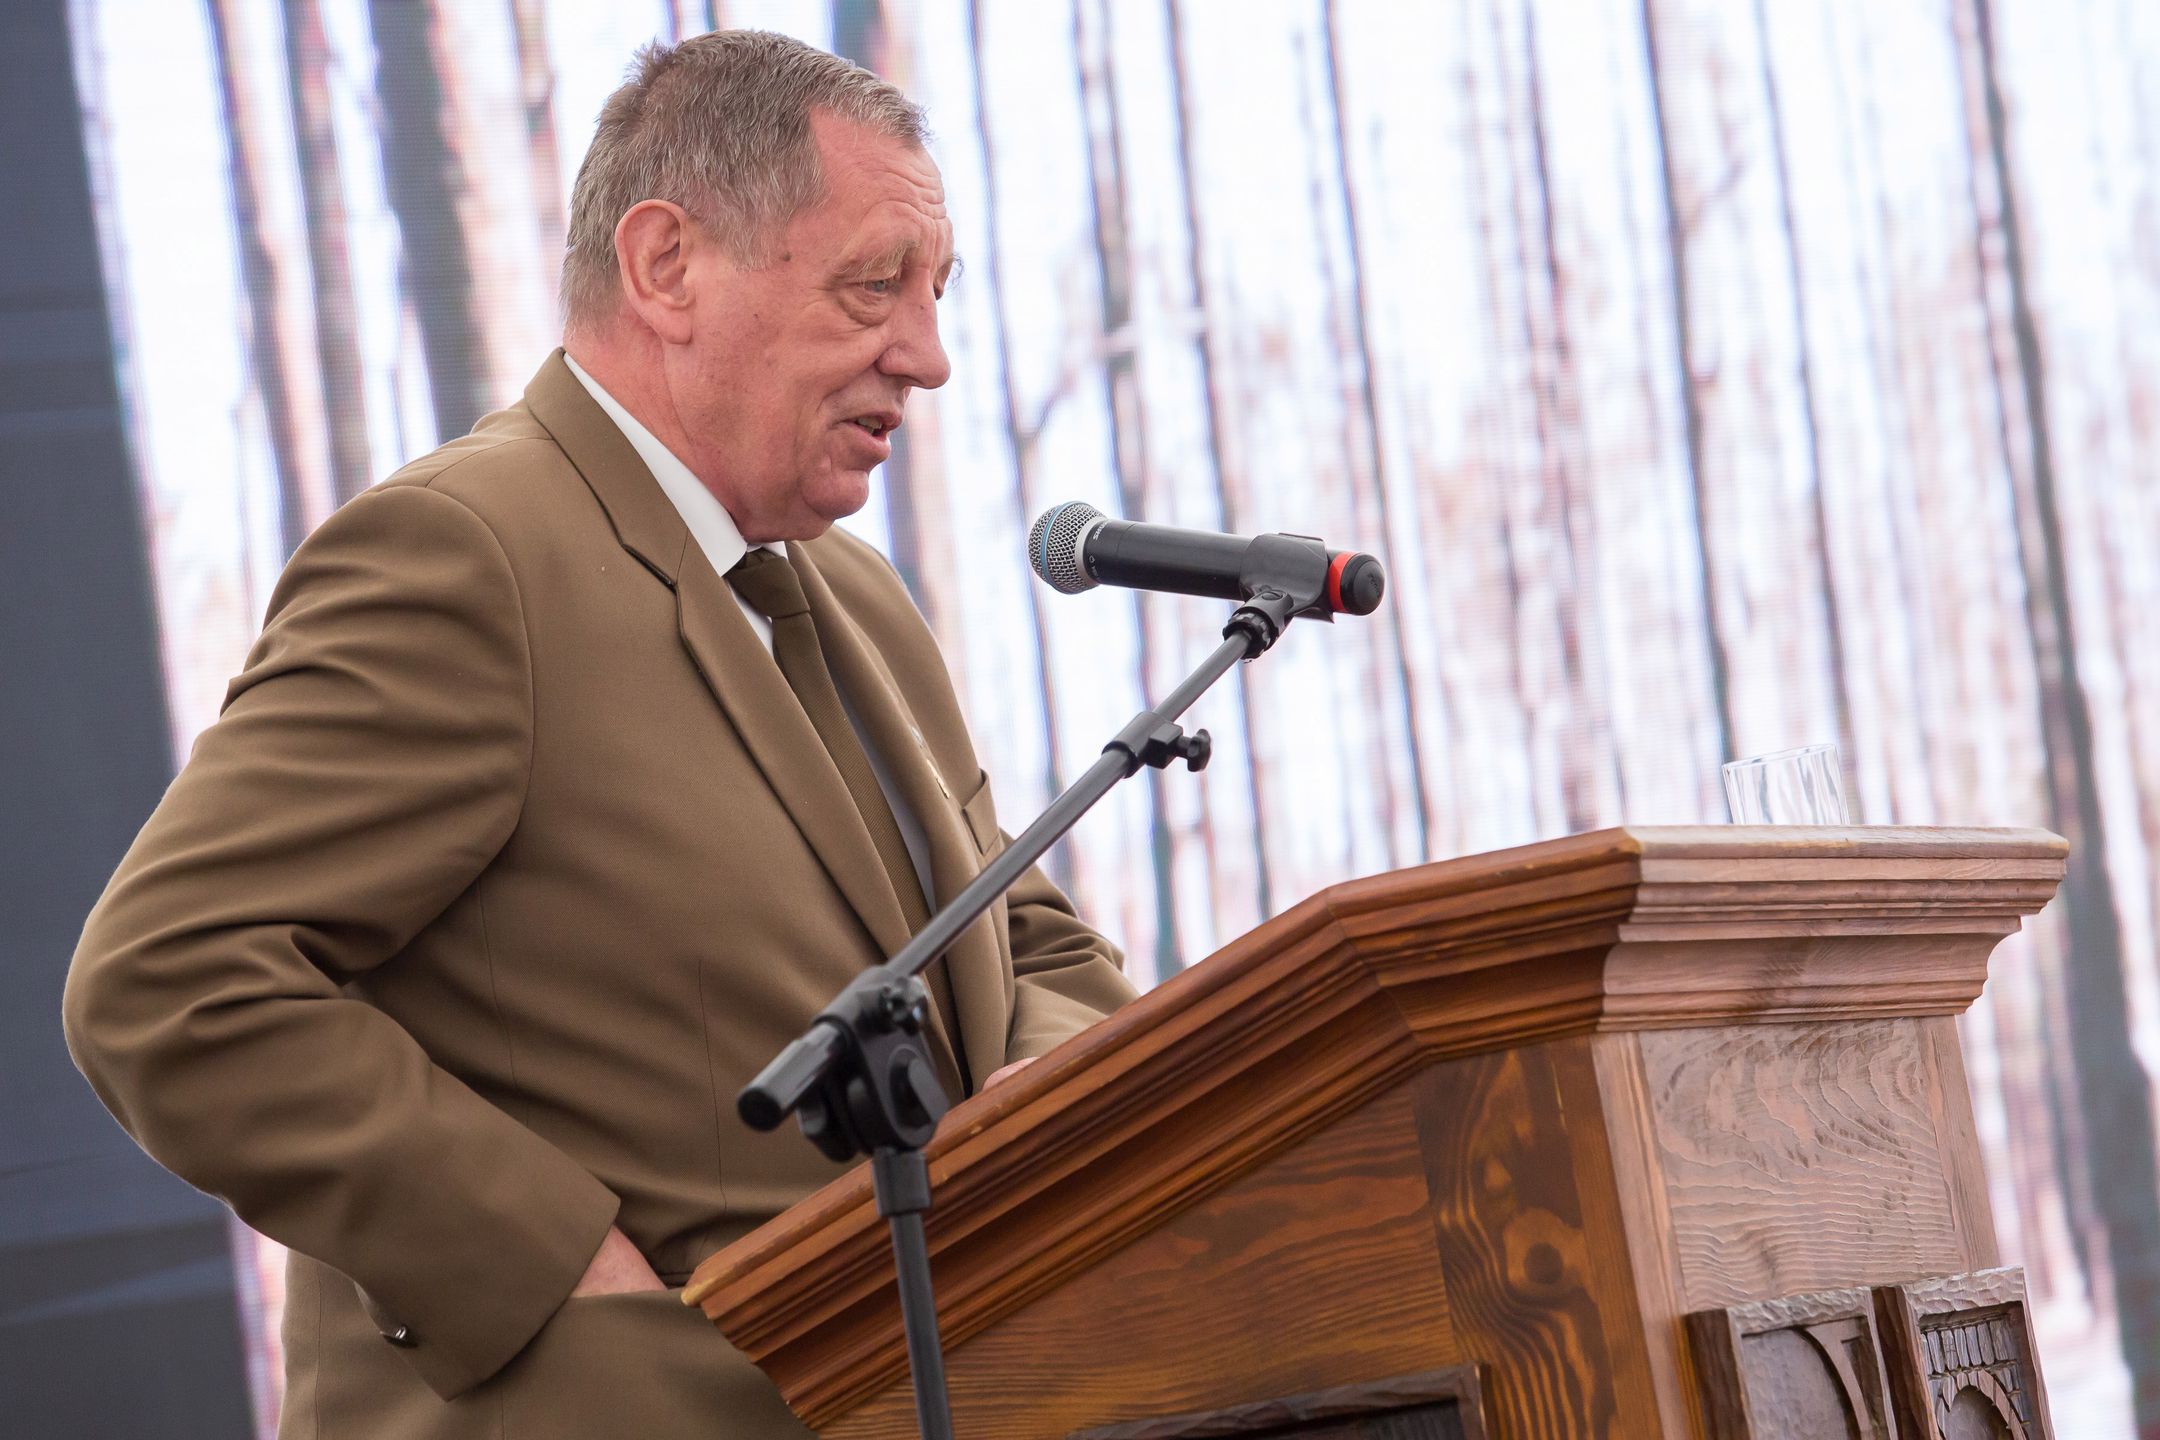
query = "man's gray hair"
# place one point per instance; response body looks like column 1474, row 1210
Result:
column 720, row 125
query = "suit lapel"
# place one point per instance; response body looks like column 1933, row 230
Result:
column 645, row 520
column 973, row 963
column 736, row 668
column 795, row 762
column 779, row 736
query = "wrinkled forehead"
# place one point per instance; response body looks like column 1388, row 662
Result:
column 878, row 189
column 891, row 245
column 891, row 217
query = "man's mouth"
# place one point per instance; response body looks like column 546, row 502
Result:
column 878, row 424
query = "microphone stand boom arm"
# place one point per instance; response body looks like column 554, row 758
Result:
column 859, row 1079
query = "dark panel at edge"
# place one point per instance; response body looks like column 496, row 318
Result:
column 117, row 1311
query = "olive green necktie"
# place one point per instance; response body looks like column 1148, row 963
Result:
column 769, row 582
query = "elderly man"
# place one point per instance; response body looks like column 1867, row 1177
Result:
column 578, row 764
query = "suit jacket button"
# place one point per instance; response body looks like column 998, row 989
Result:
column 402, row 1337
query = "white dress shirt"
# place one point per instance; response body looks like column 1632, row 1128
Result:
column 721, row 539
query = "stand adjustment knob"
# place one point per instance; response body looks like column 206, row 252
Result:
column 916, row 1092
column 1197, row 748
column 904, row 1005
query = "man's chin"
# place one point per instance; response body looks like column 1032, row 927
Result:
column 814, row 505
column 842, row 494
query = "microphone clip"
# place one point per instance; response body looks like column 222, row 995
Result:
column 1283, row 577
column 1263, row 618
column 1295, row 565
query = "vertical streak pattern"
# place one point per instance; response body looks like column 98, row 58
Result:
column 1710, row 377
column 2114, row 1091
column 1676, row 237
column 337, row 342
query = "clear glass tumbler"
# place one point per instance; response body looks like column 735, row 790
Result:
column 1792, row 787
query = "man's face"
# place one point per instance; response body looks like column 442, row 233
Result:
column 797, row 372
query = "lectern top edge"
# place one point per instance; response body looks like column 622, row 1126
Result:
column 1357, row 981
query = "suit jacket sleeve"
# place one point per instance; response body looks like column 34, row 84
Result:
column 368, row 763
column 1065, row 975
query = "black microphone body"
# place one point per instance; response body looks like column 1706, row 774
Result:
column 1140, row 556
column 1075, row 547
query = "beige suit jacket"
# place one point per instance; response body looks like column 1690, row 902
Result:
column 510, row 858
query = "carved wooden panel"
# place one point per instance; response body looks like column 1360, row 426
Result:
column 1432, row 1405
column 1963, row 1363
column 1801, row 1157
column 1807, row 1367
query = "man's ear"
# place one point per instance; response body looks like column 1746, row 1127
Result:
column 653, row 243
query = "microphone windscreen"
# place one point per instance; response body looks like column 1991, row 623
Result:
column 1054, row 546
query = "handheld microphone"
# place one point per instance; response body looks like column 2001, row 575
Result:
column 1075, row 547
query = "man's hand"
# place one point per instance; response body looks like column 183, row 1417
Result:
column 1007, row 1072
column 616, row 1269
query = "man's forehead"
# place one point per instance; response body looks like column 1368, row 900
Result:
column 856, row 157
column 898, row 242
column 885, row 195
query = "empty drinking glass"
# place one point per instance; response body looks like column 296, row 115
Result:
column 1791, row 787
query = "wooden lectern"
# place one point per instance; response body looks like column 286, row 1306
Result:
column 1649, row 1132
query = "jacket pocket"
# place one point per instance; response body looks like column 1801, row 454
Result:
column 642, row 1365
column 981, row 815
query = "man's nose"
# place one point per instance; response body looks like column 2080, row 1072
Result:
column 916, row 355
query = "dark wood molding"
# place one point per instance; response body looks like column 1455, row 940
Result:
column 1456, row 1384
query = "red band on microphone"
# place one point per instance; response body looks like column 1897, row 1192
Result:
column 1334, row 580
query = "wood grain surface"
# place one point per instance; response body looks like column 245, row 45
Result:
column 1622, row 1098
column 1971, row 1209
column 1799, row 1157
column 1509, row 1220
column 1694, row 937
column 1314, row 1271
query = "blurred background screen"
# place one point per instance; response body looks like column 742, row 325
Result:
column 1713, row 376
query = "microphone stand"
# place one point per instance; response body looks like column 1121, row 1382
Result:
column 859, row 1079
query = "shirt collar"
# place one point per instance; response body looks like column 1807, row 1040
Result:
column 708, row 521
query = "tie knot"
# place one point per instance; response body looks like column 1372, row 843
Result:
column 770, row 584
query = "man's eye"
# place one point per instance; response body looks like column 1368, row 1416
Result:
column 879, row 287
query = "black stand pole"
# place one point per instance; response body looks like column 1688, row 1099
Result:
column 859, row 1079
column 903, row 1193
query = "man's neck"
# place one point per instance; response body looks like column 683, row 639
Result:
column 627, row 363
column 632, row 380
